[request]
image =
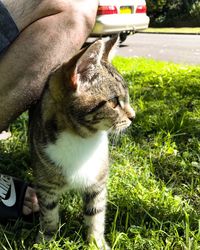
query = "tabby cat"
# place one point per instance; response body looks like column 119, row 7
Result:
column 83, row 101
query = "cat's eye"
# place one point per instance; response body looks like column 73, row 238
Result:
column 114, row 102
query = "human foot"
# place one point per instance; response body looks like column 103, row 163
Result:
column 16, row 198
column 30, row 202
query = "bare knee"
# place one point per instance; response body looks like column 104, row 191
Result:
column 26, row 12
column 67, row 20
column 79, row 13
column 84, row 11
column 52, row 33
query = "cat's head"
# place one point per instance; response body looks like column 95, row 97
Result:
column 96, row 94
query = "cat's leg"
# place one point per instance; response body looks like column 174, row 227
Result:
column 94, row 213
column 49, row 214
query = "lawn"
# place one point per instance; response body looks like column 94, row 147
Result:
column 184, row 30
column 154, row 185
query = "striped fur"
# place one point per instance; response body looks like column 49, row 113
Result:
column 83, row 100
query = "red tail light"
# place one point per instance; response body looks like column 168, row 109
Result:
column 106, row 10
column 141, row 9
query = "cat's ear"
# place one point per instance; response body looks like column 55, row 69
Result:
column 91, row 57
column 95, row 53
column 87, row 60
column 86, row 63
column 74, row 80
column 109, row 48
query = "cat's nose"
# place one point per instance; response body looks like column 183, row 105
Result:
column 131, row 118
column 131, row 115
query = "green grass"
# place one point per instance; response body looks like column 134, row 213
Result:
column 184, row 30
column 154, row 185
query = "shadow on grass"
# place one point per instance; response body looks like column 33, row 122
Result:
column 15, row 163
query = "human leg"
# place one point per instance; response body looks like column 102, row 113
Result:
column 51, row 33
column 39, row 49
column 26, row 12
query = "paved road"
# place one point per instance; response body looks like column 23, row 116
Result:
column 165, row 47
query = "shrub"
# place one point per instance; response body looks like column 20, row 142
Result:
column 195, row 10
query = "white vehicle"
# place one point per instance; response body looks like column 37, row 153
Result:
column 120, row 16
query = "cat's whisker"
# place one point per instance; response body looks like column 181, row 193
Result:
column 114, row 139
column 117, row 132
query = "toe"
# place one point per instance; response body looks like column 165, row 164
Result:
column 30, row 202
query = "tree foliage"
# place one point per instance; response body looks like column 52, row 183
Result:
column 174, row 12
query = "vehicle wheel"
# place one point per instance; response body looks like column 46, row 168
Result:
column 122, row 37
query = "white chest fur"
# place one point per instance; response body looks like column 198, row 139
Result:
column 80, row 159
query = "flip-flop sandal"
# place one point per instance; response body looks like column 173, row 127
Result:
column 12, row 192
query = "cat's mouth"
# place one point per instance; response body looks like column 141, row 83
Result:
column 120, row 127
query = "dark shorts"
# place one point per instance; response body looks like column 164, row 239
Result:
column 8, row 29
